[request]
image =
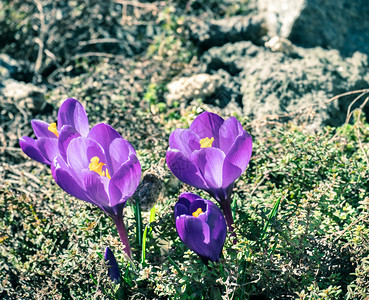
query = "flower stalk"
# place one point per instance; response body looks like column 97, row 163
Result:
column 227, row 211
column 123, row 235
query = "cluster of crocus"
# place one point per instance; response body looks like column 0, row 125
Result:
column 97, row 165
column 210, row 155
column 100, row 167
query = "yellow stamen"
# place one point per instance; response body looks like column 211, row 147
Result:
column 197, row 212
column 53, row 129
column 107, row 174
column 206, row 142
column 96, row 166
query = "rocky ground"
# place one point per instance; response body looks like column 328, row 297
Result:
column 147, row 67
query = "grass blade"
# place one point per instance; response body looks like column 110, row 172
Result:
column 272, row 215
column 138, row 219
column 147, row 232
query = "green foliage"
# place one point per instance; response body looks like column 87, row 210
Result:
column 301, row 212
column 171, row 43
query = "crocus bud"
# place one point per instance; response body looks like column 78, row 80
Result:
column 201, row 226
column 113, row 271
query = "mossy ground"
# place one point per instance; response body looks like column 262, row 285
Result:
column 314, row 246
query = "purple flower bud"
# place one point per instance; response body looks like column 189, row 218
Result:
column 51, row 140
column 201, row 226
column 113, row 271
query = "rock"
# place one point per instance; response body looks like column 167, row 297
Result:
column 272, row 83
column 279, row 44
column 228, row 93
column 189, row 88
column 331, row 24
column 228, row 30
column 26, row 95
column 218, row 89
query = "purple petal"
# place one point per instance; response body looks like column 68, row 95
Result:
column 216, row 221
column 210, row 163
column 95, row 185
column 228, row 133
column 188, row 203
column 66, row 134
column 119, row 151
column 199, row 203
column 204, row 234
column 81, row 150
column 184, row 169
column 72, row 113
column 48, row 147
column 230, row 174
column 192, row 232
column 113, row 271
column 104, row 134
column 184, row 140
column 191, row 197
column 240, row 152
column 64, row 177
column 40, row 129
column 207, row 125
column 237, row 159
column 125, row 181
column 29, row 147
column 180, row 209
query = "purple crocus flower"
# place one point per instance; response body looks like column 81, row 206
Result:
column 201, row 226
column 211, row 155
column 113, row 271
column 72, row 121
column 102, row 169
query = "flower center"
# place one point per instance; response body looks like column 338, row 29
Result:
column 206, row 142
column 53, row 129
column 96, row 166
column 197, row 212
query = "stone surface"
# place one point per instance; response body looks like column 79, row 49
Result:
column 26, row 96
column 338, row 24
column 228, row 30
column 218, row 89
column 189, row 88
column 274, row 83
column 279, row 44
